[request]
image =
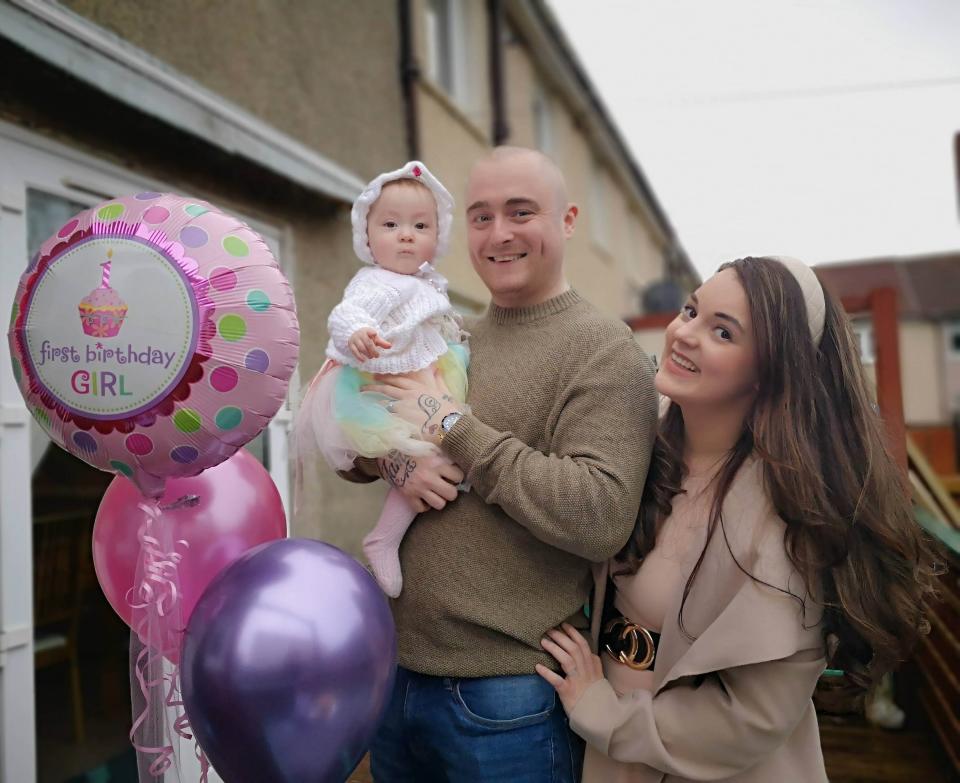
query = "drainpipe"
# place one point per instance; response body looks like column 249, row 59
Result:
column 409, row 75
column 500, row 131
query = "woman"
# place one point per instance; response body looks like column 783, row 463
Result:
column 775, row 536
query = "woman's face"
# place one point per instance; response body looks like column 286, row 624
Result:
column 709, row 355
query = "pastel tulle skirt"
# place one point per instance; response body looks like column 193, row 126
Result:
column 341, row 422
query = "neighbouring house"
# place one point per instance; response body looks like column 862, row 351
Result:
column 928, row 295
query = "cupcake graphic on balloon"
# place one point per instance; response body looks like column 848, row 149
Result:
column 102, row 310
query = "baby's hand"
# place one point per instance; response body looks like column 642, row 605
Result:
column 364, row 343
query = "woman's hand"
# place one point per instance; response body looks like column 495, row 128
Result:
column 581, row 667
column 422, row 398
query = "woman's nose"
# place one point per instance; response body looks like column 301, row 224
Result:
column 686, row 333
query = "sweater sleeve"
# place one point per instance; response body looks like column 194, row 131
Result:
column 583, row 496
column 366, row 302
column 702, row 728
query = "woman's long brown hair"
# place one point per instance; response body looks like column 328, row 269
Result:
column 850, row 530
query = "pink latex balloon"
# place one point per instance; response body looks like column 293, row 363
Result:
column 239, row 507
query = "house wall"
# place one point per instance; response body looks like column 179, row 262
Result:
column 323, row 73
column 922, row 371
column 614, row 252
column 278, row 67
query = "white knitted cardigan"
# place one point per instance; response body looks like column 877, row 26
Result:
column 411, row 312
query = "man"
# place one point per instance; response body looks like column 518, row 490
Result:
column 555, row 449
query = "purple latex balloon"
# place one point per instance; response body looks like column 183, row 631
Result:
column 288, row 663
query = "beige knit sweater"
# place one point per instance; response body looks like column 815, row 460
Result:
column 556, row 451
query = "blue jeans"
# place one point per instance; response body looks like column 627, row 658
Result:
column 448, row 730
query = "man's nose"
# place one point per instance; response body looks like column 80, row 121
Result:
column 502, row 231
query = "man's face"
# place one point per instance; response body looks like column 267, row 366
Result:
column 517, row 224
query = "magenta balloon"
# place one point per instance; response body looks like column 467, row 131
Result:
column 239, row 508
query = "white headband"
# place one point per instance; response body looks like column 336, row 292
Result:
column 812, row 294
column 414, row 170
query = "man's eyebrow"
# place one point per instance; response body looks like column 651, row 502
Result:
column 510, row 202
column 721, row 316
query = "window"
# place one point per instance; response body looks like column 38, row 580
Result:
column 863, row 331
column 952, row 331
column 447, row 48
column 542, row 121
column 599, row 208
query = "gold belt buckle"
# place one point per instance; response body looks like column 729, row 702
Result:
column 631, row 633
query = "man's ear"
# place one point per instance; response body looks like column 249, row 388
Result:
column 570, row 220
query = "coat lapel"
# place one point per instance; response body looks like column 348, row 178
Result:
column 759, row 624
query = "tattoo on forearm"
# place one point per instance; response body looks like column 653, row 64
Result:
column 429, row 405
column 396, row 468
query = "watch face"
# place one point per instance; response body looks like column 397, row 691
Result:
column 448, row 421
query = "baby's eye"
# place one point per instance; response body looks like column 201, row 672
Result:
column 390, row 224
column 421, row 226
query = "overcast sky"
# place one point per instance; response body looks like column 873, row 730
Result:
column 821, row 129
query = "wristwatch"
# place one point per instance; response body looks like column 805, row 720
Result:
column 447, row 422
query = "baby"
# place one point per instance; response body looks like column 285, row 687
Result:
column 395, row 318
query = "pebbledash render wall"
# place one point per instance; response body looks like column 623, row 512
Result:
column 324, row 74
column 617, row 248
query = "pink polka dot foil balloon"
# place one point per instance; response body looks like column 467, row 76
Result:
column 153, row 336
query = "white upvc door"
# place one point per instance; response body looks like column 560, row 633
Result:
column 42, row 183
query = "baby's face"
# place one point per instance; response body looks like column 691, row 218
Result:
column 402, row 228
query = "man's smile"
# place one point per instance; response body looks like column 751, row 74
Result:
column 506, row 258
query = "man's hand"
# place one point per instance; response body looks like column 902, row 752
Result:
column 423, row 400
column 363, row 344
column 427, row 482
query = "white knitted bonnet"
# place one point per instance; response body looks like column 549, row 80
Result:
column 414, row 170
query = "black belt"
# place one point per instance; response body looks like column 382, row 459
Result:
column 625, row 641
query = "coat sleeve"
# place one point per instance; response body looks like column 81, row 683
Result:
column 584, row 495
column 709, row 727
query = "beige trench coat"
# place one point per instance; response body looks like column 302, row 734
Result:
column 735, row 703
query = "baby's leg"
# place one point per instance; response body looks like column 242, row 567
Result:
column 382, row 544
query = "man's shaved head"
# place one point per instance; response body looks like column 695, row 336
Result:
column 549, row 170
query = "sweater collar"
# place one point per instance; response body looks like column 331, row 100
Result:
column 522, row 315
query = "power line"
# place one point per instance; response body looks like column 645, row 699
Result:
column 800, row 93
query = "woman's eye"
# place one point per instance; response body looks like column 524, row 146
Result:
column 688, row 312
column 522, row 213
column 481, row 219
column 722, row 333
